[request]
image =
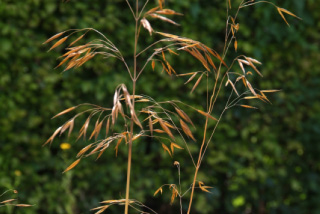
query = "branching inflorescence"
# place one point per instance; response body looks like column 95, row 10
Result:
column 155, row 119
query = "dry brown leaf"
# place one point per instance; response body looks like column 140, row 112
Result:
column 236, row 45
column 54, row 37
column 186, row 130
column 72, row 165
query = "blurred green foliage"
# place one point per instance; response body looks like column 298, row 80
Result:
column 264, row 161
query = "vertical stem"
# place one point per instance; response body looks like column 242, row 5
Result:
column 198, row 166
column 134, row 80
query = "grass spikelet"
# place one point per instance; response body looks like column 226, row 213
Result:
column 72, row 165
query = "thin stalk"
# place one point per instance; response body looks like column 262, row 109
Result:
column 198, row 165
column 126, row 211
column 210, row 108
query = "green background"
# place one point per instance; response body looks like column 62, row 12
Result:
column 260, row 161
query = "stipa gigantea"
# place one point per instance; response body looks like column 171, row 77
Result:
column 231, row 78
column 159, row 121
column 157, row 118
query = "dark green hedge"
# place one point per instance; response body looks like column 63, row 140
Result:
column 263, row 161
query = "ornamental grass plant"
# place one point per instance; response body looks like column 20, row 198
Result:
column 166, row 122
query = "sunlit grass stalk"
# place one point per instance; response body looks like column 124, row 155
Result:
column 134, row 80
